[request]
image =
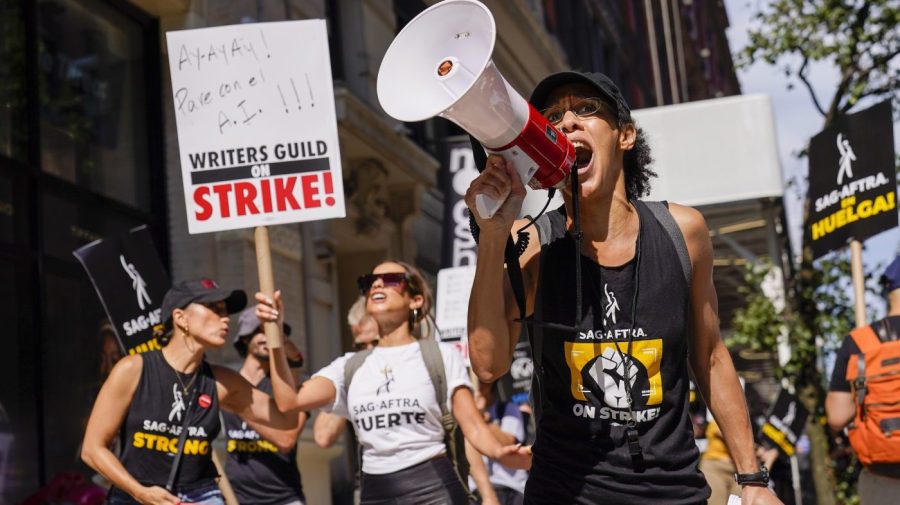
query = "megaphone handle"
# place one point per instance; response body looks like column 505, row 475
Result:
column 487, row 206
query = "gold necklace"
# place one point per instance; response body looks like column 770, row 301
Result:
column 190, row 383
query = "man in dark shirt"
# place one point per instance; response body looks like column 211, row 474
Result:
column 262, row 462
column 840, row 406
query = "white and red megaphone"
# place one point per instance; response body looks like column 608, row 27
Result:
column 440, row 65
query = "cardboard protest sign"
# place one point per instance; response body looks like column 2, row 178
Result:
column 131, row 282
column 852, row 181
column 785, row 422
column 257, row 130
column 454, row 286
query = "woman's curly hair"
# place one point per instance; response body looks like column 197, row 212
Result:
column 637, row 163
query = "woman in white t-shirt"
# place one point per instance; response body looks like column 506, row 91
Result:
column 391, row 401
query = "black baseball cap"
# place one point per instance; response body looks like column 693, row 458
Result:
column 184, row 293
column 603, row 84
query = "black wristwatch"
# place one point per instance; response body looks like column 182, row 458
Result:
column 760, row 478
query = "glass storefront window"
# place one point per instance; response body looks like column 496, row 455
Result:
column 13, row 130
column 93, row 99
column 66, row 226
column 6, row 212
column 18, row 436
column 71, row 385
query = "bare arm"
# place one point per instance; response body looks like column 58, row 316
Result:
column 284, row 440
column 709, row 358
column 254, row 406
column 479, row 434
column 315, row 392
column 478, row 471
column 106, row 419
column 840, row 409
column 328, row 428
column 492, row 307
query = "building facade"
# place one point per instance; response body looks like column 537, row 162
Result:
column 88, row 149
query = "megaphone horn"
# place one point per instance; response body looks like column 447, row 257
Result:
column 440, row 65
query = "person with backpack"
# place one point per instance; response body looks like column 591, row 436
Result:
column 164, row 405
column 621, row 303
column 399, row 396
column 864, row 397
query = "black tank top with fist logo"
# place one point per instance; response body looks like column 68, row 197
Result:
column 582, row 432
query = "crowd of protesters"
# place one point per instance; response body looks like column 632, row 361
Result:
column 605, row 430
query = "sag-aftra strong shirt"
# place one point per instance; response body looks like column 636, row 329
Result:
column 150, row 432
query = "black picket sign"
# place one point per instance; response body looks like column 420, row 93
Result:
column 785, row 422
column 852, row 181
column 130, row 280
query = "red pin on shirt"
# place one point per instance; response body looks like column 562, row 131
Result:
column 204, row 401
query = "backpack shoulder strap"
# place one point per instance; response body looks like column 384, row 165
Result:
column 352, row 365
column 865, row 338
column 662, row 214
column 434, row 363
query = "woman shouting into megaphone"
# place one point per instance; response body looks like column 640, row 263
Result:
column 610, row 381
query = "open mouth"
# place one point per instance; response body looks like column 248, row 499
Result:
column 583, row 155
column 378, row 297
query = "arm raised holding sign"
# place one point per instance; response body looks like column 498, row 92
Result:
column 398, row 391
column 167, row 403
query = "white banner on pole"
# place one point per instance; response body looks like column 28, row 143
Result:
column 257, row 129
column 454, row 285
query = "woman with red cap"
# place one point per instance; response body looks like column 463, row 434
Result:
column 164, row 405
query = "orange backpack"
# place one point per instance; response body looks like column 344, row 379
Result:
column 874, row 375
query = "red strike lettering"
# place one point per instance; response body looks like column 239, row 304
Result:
column 244, row 194
column 222, row 190
column 266, row 195
column 200, row 198
column 310, row 185
column 284, row 192
column 262, row 196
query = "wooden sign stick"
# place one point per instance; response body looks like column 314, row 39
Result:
column 859, row 282
column 266, row 283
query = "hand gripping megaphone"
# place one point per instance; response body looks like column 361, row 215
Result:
column 440, row 65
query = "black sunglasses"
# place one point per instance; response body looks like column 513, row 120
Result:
column 389, row 280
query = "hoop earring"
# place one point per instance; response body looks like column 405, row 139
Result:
column 413, row 319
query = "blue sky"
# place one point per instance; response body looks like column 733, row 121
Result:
column 796, row 121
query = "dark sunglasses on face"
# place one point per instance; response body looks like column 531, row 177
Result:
column 389, row 280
